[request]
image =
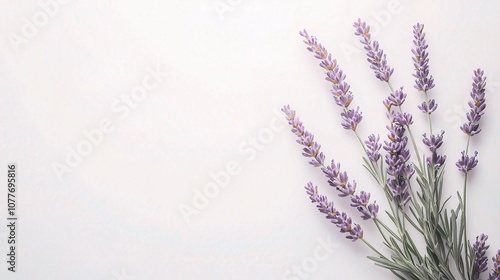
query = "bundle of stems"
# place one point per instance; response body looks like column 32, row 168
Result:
column 414, row 190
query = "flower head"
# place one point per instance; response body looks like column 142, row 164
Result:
column 313, row 46
column 421, row 60
column 311, row 148
column 376, row 56
column 480, row 260
column 476, row 105
column 397, row 157
column 340, row 88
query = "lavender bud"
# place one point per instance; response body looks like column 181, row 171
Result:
column 480, row 260
column 466, row 163
column 373, row 146
column 396, row 98
column 351, row 119
column 428, row 107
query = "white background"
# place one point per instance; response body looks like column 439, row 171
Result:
column 232, row 65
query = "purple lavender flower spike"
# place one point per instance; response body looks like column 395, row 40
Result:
column 351, row 119
column 477, row 104
column 376, row 56
column 341, row 220
column 311, row 148
column 373, row 146
column 421, row 60
column 340, row 89
column 466, row 163
column 495, row 274
column 480, row 260
column 397, row 157
column 433, row 142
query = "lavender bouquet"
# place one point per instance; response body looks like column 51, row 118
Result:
column 417, row 211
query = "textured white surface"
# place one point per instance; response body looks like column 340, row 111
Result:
column 116, row 214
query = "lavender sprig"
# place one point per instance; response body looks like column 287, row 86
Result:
column 340, row 88
column 423, row 81
column 466, row 163
column 376, row 56
column 477, row 104
column 444, row 235
column 341, row 220
column 311, row 148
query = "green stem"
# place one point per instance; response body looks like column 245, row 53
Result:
column 464, row 218
column 379, row 222
column 428, row 114
column 373, row 249
column 390, row 86
column 464, row 215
